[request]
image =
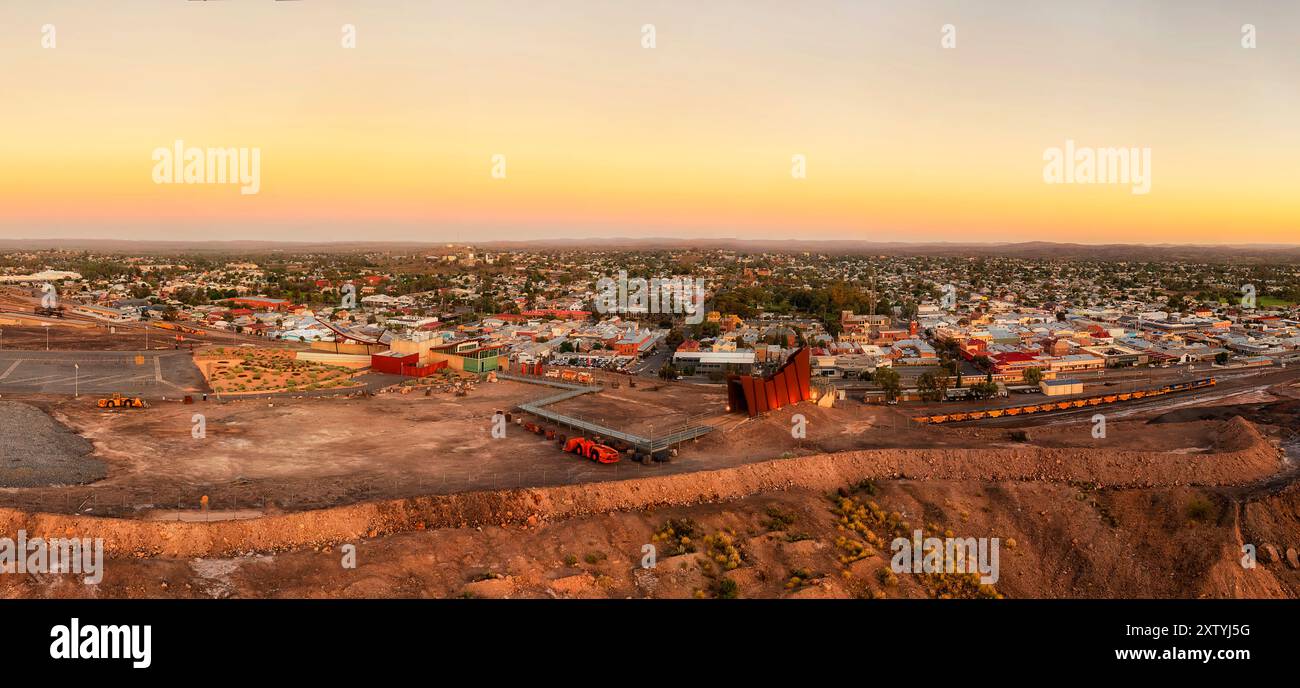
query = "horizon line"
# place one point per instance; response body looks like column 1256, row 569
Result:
column 664, row 239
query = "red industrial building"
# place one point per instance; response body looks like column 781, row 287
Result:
column 790, row 384
column 633, row 344
column 397, row 363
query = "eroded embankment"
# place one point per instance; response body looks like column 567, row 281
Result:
column 1242, row 455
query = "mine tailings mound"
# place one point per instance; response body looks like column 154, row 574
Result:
column 1242, row 455
column 36, row 450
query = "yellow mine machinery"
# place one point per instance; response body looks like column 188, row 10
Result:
column 117, row 401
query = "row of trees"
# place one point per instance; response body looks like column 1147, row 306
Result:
column 933, row 386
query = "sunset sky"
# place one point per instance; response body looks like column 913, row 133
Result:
column 904, row 140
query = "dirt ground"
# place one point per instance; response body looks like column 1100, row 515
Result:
column 83, row 335
column 291, row 454
column 437, row 507
column 1055, row 541
column 77, row 338
column 22, row 330
column 234, row 370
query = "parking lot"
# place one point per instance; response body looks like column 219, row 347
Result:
column 151, row 374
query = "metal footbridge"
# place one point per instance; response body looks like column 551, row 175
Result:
column 641, row 443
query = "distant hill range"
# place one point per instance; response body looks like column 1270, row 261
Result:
column 1031, row 249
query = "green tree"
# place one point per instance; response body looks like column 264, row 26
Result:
column 708, row 329
column 887, row 379
column 933, row 386
column 984, row 390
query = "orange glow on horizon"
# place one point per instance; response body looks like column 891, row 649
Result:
column 904, row 141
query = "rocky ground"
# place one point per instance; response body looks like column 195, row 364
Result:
column 37, row 450
column 1173, row 516
column 1056, row 540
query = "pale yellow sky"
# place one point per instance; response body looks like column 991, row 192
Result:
column 904, row 140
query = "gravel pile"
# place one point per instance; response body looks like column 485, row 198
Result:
column 36, row 450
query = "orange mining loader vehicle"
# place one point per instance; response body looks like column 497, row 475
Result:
column 117, row 401
column 596, row 452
